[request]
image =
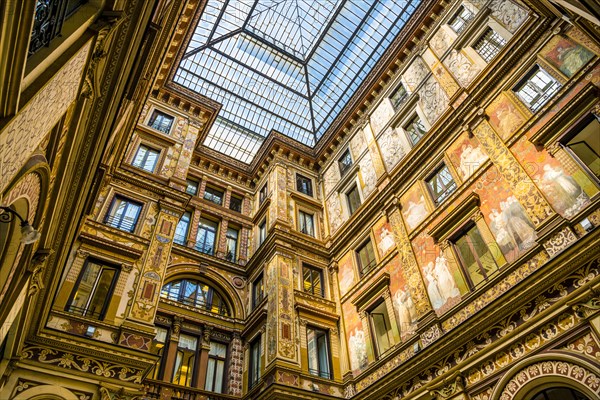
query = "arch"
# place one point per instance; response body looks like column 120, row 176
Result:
column 209, row 276
column 546, row 370
column 44, row 392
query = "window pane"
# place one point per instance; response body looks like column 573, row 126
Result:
column 181, row 230
column 306, row 223
column 161, row 121
column 183, row 371
column 353, row 200
column 538, row 88
column 415, row 130
column 586, row 146
column 207, row 233
column 123, row 214
column 304, row 185
column 235, row 204
column 214, row 195
column 442, row 185
column 489, row 44
column 382, row 329
column 398, row 97
column 192, row 188
column 345, row 162
column 461, row 19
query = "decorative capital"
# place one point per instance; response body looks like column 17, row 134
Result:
column 449, row 387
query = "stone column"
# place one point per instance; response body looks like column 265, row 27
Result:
column 147, row 293
column 235, row 369
column 280, row 336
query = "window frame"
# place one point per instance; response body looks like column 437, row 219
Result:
column 187, row 229
column 178, row 295
column 350, row 188
column 263, row 193
column 570, row 135
column 237, row 198
column 410, row 123
column 457, row 15
column 158, row 113
column 262, row 232
column 192, row 376
column 481, row 36
column 363, row 270
column 107, row 217
column 213, row 194
column 195, row 184
column 258, row 282
column 225, row 359
column 142, row 164
column 343, row 167
column 378, row 352
column 104, row 265
column 311, row 289
column 443, row 196
column 299, row 186
column 328, row 374
column 545, row 94
column 303, row 213
column 216, row 236
column 254, row 364
column 453, row 239
column 397, row 104
column 234, row 256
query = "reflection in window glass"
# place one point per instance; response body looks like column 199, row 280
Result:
column 215, row 371
column 318, row 353
column 537, row 88
column 475, row 256
column 185, row 360
column 382, row 328
column 441, row 185
column 92, row 293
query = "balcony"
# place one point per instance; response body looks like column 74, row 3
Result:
column 168, row 391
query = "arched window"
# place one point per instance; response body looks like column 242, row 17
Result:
column 195, row 294
column 559, row 393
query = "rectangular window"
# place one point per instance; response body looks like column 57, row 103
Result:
column 262, row 232
column 157, row 347
column 213, row 195
column 415, row 130
column 398, row 97
column 345, row 162
column 207, row 234
column 441, row 184
column 475, row 257
column 123, row 214
column 381, row 328
column 366, row 257
column 489, row 44
column 161, row 121
column 318, row 353
column 232, row 244
column 185, row 360
column 262, row 195
column 461, row 19
column 255, row 362
column 353, row 199
column 537, row 88
column 585, row 147
column 304, row 185
column 235, row 204
column 313, row 280
column 146, row 158
column 183, row 226
column 258, row 291
column 215, row 371
column 192, row 187
column 93, row 290
column 306, row 223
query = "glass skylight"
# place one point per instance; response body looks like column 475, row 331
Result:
column 284, row 65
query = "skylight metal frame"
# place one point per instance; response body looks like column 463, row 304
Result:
column 302, row 116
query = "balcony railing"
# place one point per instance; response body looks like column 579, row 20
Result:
column 168, row 391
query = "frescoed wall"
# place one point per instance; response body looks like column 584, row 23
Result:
column 357, row 341
column 504, row 116
column 566, row 55
column 466, row 155
column 346, row 273
column 384, row 237
column 414, row 206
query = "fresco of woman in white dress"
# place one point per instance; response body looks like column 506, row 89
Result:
column 511, row 227
column 564, row 192
column 407, row 313
column 358, row 350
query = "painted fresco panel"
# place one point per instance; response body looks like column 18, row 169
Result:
column 382, row 114
column 357, row 342
column 415, row 73
column 330, row 178
column 433, row 99
column 508, row 14
column 504, row 116
column 334, row 211
column 384, row 237
column 563, row 192
column 367, row 172
column 566, row 55
column 445, row 79
column 358, row 144
column 441, row 41
column 505, row 216
column 404, row 306
column 414, row 207
column 346, row 273
column 440, row 274
column 462, row 68
column 466, row 155
column 391, row 147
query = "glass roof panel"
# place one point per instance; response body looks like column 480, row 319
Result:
column 284, row 65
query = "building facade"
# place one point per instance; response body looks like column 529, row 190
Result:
column 438, row 241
